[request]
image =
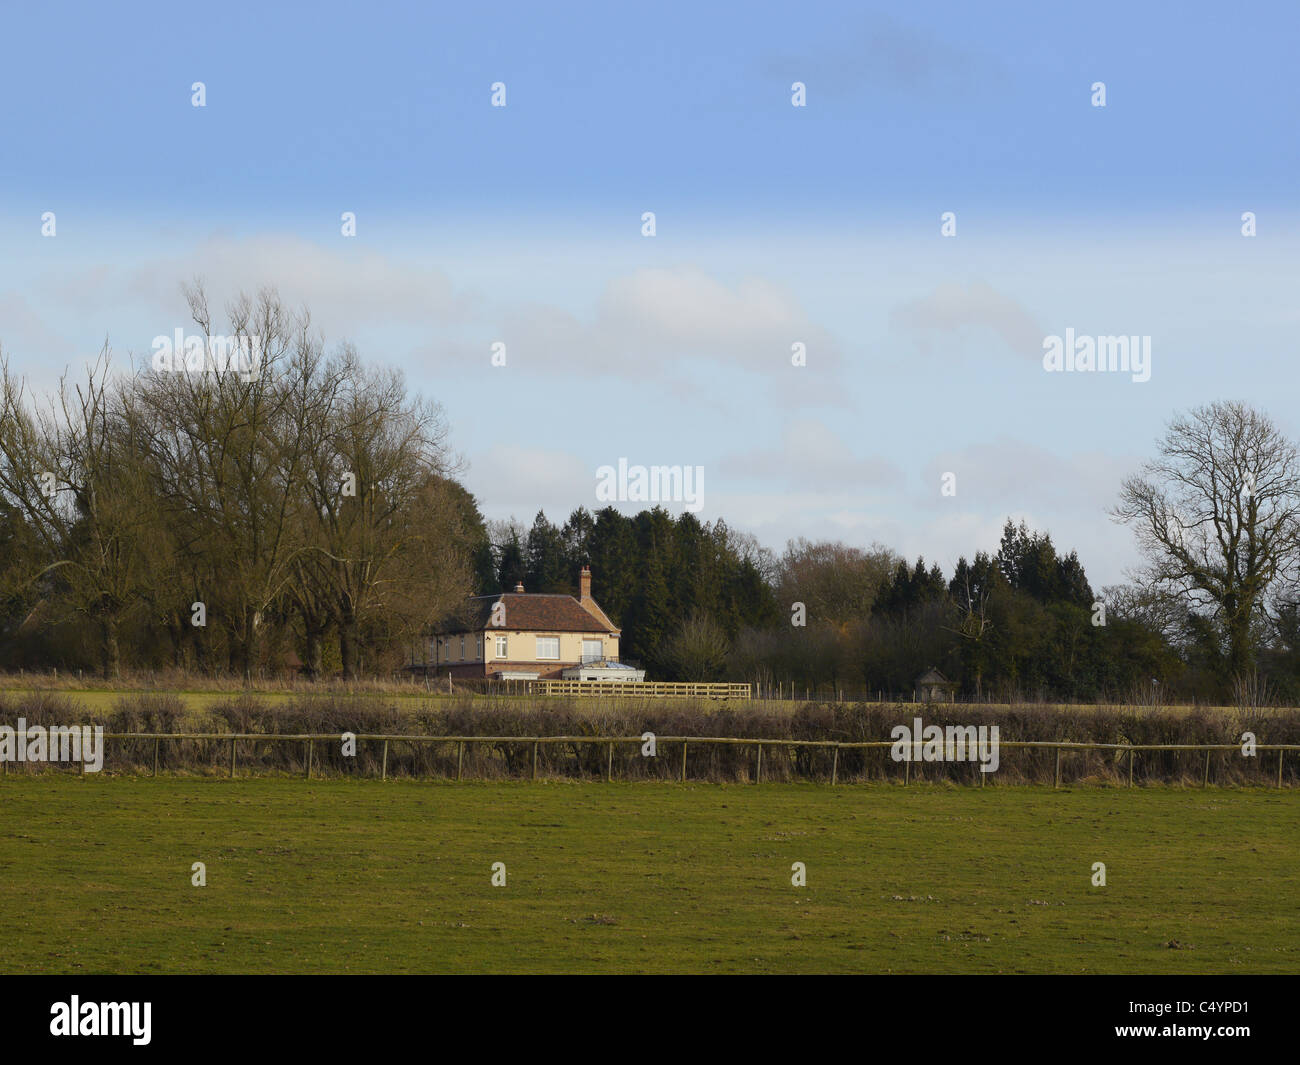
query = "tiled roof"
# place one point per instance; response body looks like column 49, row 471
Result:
column 525, row 612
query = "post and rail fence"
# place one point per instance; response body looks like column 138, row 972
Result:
column 641, row 689
column 824, row 760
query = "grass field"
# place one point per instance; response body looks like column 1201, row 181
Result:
column 102, row 701
column 363, row 876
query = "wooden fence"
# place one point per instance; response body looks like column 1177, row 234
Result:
column 649, row 689
column 333, row 741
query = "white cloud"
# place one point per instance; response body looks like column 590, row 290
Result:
column 509, row 480
column 649, row 321
column 812, row 455
column 1010, row 474
column 347, row 288
column 34, row 349
column 952, row 309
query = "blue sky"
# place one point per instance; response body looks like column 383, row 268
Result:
column 775, row 224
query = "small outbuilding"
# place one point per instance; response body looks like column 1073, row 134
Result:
column 933, row 687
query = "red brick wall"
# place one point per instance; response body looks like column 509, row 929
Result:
column 544, row 671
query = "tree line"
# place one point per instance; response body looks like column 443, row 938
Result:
column 699, row 602
column 308, row 516
column 1211, row 614
column 224, row 521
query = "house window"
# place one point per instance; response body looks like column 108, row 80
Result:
column 462, row 648
column 548, row 647
column 478, row 648
column 501, row 647
column 592, row 651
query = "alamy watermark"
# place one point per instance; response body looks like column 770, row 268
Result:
column 651, row 484
column 102, row 1018
column 954, row 743
column 241, row 354
column 58, row 743
column 1089, row 354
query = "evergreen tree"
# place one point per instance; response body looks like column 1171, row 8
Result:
column 614, row 560
column 651, row 620
column 694, row 582
column 474, row 538
column 511, row 565
column 576, row 535
column 544, row 553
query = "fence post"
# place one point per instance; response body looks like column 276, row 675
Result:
column 534, row 759
column 758, row 776
column 907, row 769
column 1057, row 783
column 1279, row 767
column 835, row 765
column 684, row 746
column 311, row 747
column 1205, row 780
column 383, row 767
column 155, row 756
column 460, row 757
column 232, row 758
column 609, row 764
column 1130, row 767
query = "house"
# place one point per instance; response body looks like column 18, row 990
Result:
column 933, row 687
column 522, row 636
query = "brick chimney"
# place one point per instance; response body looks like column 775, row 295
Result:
column 588, row 603
column 519, row 587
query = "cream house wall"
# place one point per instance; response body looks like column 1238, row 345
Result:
column 521, row 646
column 447, row 648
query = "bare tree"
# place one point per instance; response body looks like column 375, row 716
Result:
column 228, row 460
column 279, row 488
column 1217, row 516
column 835, row 582
column 699, row 649
column 383, row 524
column 66, row 470
column 971, row 590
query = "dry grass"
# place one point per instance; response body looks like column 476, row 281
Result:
column 500, row 716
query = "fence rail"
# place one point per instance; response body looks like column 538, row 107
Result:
column 641, row 689
column 331, row 748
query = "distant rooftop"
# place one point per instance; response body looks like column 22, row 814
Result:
column 544, row 612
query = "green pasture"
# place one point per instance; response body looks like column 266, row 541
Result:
column 368, row 876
